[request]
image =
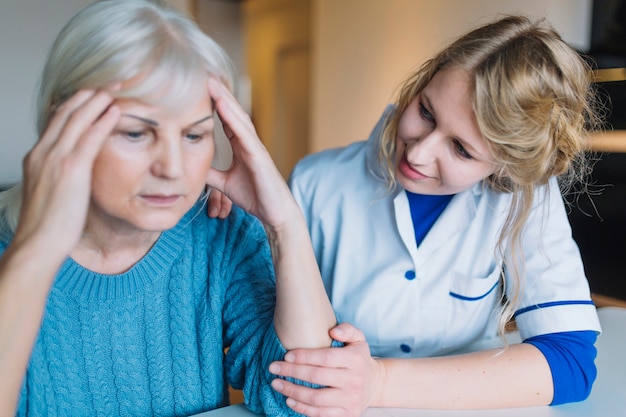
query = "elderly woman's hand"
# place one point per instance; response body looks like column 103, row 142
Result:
column 252, row 182
column 57, row 173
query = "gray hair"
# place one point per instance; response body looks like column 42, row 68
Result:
column 166, row 55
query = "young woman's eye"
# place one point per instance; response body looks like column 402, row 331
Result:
column 460, row 150
column 425, row 113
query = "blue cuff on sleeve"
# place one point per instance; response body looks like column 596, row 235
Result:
column 571, row 358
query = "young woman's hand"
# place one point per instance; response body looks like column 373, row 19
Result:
column 57, row 173
column 350, row 376
column 252, row 182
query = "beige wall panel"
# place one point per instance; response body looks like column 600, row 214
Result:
column 363, row 49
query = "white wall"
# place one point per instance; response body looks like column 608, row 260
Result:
column 222, row 21
column 363, row 49
column 27, row 28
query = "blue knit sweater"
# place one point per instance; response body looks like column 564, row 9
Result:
column 150, row 341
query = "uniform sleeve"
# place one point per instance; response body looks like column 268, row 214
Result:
column 570, row 356
column 555, row 296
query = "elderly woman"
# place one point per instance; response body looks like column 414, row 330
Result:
column 118, row 295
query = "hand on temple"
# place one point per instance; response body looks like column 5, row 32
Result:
column 57, row 172
column 252, row 182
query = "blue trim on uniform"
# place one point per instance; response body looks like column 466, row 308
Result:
column 570, row 356
column 480, row 297
column 410, row 275
column 551, row 304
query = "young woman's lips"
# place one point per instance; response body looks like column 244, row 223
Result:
column 161, row 200
column 410, row 172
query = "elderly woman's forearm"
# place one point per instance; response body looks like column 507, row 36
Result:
column 24, row 287
column 303, row 313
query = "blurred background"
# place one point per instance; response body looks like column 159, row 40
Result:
column 313, row 74
column 317, row 74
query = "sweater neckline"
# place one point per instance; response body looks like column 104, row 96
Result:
column 78, row 282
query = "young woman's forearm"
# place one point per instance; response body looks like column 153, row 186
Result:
column 303, row 314
column 24, row 285
column 517, row 376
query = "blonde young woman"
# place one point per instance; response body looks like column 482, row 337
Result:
column 447, row 223
column 118, row 295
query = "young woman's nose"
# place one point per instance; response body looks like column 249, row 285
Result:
column 424, row 149
column 168, row 158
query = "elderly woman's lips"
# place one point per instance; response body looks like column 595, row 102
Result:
column 161, row 200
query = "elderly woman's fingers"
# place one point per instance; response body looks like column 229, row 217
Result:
column 72, row 120
column 76, row 131
column 57, row 173
column 237, row 123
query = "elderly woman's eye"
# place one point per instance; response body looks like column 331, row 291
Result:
column 135, row 135
column 195, row 137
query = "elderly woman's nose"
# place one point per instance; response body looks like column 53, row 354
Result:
column 168, row 158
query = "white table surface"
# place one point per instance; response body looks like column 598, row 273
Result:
column 607, row 399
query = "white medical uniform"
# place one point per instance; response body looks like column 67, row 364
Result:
column 441, row 297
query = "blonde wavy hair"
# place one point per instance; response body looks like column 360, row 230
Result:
column 534, row 103
column 113, row 41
